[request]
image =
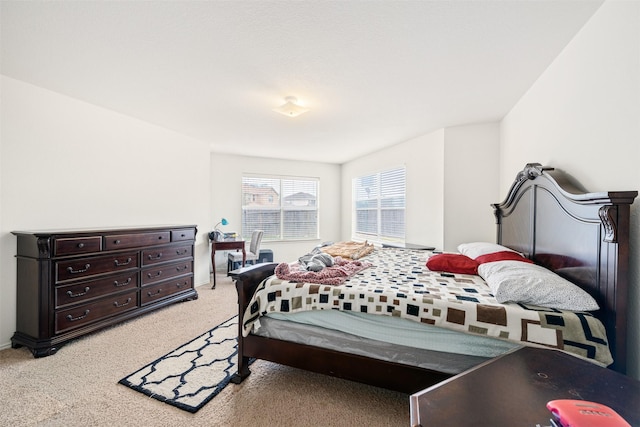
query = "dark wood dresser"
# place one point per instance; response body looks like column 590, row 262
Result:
column 73, row 282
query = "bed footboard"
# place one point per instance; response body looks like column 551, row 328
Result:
column 247, row 280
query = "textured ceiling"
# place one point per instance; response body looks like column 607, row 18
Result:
column 372, row 73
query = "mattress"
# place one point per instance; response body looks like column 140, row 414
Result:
column 400, row 331
column 316, row 336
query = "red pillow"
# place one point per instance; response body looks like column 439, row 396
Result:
column 502, row 256
column 453, row 263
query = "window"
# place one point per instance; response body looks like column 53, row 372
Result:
column 379, row 206
column 284, row 208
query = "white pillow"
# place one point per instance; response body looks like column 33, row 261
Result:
column 515, row 281
column 476, row 249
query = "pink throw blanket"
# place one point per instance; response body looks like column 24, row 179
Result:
column 334, row 275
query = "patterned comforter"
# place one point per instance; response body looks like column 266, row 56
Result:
column 399, row 284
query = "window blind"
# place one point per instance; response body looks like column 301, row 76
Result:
column 379, row 206
column 284, row 208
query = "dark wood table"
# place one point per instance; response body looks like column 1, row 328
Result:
column 513, row 390
column 225, row 245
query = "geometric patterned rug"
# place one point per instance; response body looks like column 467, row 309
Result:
column 194, row 373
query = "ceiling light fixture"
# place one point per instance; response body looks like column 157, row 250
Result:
column 291, row 107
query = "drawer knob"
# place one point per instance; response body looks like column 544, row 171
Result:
column 80, row 245
column 79, row 294
column 158, row 292
column 158, row 274
column 116, row 242
column 80, row 270
column 70, row 318
column 156, row 256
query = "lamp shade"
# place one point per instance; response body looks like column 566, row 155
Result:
column 291, row 108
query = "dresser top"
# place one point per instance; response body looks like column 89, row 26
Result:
column 87, row 231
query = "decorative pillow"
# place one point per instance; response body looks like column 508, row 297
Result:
column 502, row 256
column 476, row 249
column 516, row 281
column 452, row 263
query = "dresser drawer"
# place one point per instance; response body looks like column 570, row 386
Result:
column 183, row 234
column 77, row 245
column 164, row 272
column 159, row 291
column 98, row 310
column 85, row 291
column 168, row 253
column 90, row 266
column 134, row 240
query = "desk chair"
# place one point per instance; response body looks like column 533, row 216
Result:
column 251, row 255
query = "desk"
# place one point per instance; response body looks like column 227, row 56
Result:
column 513, row 390
column 225, row 245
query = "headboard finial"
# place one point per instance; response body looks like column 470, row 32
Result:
column 533, row 170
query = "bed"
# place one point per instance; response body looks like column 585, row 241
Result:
column 546, row 218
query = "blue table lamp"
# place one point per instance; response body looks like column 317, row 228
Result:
column 216, row 234
column 223, row 221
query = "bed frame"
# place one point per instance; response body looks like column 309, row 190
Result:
column 547, row 216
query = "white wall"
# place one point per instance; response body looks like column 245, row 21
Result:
column 422, row 157
column 444, row 170
column 583, row 116
column 471, row 177
column 226, row 181
column 69, row 164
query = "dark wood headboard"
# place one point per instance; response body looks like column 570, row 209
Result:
column 582, row 236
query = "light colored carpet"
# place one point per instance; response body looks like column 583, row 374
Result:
column 78, row 386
